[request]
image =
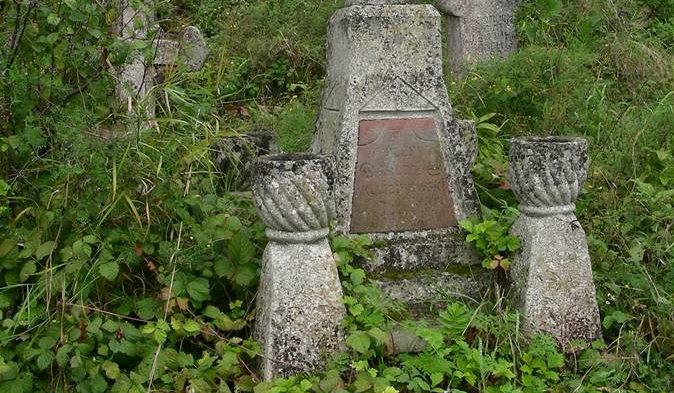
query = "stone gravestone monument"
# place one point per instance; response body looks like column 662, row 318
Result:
column 299, row 302
column 479, row 30
column 136, row 78
column 552, row 276
column 403, row 160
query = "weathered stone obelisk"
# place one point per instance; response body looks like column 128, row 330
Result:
column 403, row 160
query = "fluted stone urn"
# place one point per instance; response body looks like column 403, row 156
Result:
column 552, row 275
column 299, row 302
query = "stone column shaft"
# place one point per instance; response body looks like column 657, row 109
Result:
column 299, row 302
column 552, row 275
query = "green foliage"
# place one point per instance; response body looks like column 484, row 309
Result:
column 490, row 236
column 125, row 263
column 491, row 166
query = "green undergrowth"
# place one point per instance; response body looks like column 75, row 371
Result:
column 128, row 265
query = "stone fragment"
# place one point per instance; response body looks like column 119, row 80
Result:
column 136, row 79
column 403, row 160
column 552, row 275
column 479, row 30
column 234, row 156
column 190, row 49
column 299, row 302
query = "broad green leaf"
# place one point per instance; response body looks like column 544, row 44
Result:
column 191, row 326
column 44, row 250
column 241, row 250
column 111, row 369
column 223, row 267
column 550, row 8
column 615, row 317
column 44, row 359
column 212, row 312
column 27, row 270
column 109, row 270
column 360, row 341
column 380, row 336
column 233, row 223
column 486, row 117
column 53, row 19
column 147, row 308
column 245, row 274
column 357, row 276
column 198, row 289
column 4, row 188
column 555, row 360
column 356, row 309
column 6, row 247
column 98, row 384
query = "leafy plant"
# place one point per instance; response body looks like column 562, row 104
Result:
column 490, row 237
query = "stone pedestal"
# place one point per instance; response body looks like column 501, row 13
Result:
column 403, row 160
column 299, row 302
column 479, row 30
column 552, row 275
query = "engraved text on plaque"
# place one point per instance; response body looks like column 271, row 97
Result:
column 400, row 180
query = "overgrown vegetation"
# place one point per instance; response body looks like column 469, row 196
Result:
column 126, row 265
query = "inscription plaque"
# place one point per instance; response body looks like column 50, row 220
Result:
column 400, row 182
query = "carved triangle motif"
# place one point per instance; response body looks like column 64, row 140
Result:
column 398, row 96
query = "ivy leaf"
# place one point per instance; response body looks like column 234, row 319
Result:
column 198, row 289
column 109, row 270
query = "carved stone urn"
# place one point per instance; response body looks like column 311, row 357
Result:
column 552, row 275
column 299, row 302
